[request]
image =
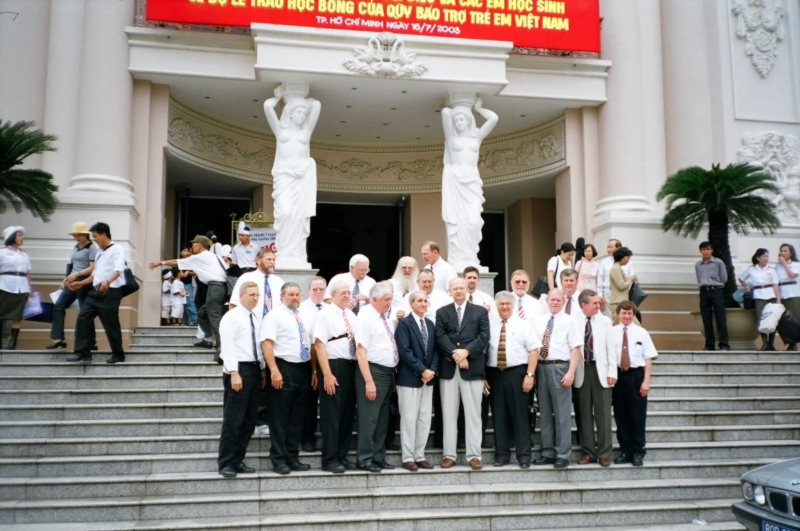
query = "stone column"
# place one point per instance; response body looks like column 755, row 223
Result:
column 62, row 87
column 102, row 163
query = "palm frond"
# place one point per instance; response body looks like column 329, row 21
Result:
column 19, row 141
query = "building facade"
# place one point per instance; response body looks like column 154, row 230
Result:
column 161, row 133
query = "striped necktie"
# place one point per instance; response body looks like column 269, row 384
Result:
column 501, row 348
column 546, row 338
column 520, row 310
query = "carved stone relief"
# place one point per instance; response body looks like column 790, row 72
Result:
column 778, row 154
column 218, row 147
column 385, row 56
column 762, row 29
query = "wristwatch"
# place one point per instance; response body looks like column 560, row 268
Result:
column 529, row 374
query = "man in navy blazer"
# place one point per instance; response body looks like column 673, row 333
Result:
column 419, row 362
column 462, row 334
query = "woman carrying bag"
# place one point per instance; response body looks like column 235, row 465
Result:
column 80, row 267
column 562, row 260
column 788, row 270
column 761, row 280
column 15, row 286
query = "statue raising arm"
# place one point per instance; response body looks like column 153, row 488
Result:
column 491, row 119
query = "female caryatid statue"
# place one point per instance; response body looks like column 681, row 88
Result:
column 462, row 187
column 294, row 177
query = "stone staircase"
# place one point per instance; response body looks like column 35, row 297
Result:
column 133, row 446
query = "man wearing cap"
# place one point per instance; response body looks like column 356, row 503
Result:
column 210, row 270
column 243, row 253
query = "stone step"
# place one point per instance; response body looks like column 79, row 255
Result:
column 163, row 341
column 731, row 355
column 636, row 515
column 48, row 429
column 366, row 499
column 703, row 367
column 177, row 444
column 127, row 464
column 667, row 377
column 215, row 393
column 137, row 355
column 38, row 488
column 100, row 368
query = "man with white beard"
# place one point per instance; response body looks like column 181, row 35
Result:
column 404, row 280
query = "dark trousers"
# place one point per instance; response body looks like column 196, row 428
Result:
column 337, row 412
column 309, row 431
column 438, row 427
column 287, row 407
column 64, row 301
column 595, row 408
column 239, row 410
column 630, row 412
column 106, row 307
column 373, row 415
column 510, row 413
column 394, row 418
column 211, row 312
column 712, row 307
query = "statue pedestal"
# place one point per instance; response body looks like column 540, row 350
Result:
column 302, row 277
column 486, row 283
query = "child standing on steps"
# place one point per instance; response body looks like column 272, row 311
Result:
column 178, row 298
column 166, row 298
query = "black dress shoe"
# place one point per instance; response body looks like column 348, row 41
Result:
column 500, row 463
column 95, row 347
column 384, row 465
column 116, row 359
column 204, row 344
column 227, row 472
column 281, row 469
column 348, row 465
column 57, row 344
column 622, row 458
column 561, row 463
column 638, row 460
column 299, row 467
column 334, row 468
column 310, row 448
column 242, row 468
column 544, row 461
column 525, row 465
column 369, row 466
column 78, row 358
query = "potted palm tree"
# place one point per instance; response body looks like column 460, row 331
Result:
column 726, row 198
column 32, row 188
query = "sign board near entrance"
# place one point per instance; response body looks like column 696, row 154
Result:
column 553, row 24
column 263, row 237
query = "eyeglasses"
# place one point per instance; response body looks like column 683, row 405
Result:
column 521, row 281
column 317, row 289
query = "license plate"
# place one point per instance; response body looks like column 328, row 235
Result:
column 769, row 526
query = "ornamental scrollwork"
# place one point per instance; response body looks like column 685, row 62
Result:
column 218, row 147
column 762, row 29
column 777, row 154
column 385, row 55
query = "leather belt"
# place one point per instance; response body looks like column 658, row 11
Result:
column 14, row 274
column 551, row 362
column 215, row 283
column 631, row 369
column 710, row 288
column 787, row 283
column 761, row 287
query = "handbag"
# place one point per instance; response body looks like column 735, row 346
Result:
column 130, row 286
column 636, row 294
column 748, row 302
column 230, row 282
column 540, row 288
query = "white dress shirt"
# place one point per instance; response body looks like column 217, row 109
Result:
column 237, row 337
column 789, row 291
column 480, row 298
column 275, row 285
column 557, row 265
column 330, row 329
column 374, row 337
column 520, row 341
column 640, row 345
column 14, row 261
column 443, row 273
column 397, row 294
column 436, row 299
column 530, row 305
column 603, row 276
column 207, row 266
column 309, row 312
column 574, row 309
column 564, row 337
column 757, row 276
column 108, row 260
column 244, row 256
column 364, row 286
column 280, row 326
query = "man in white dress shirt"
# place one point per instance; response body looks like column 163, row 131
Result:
column 336, row 337
column 436, row 299
column 443, row 271
column 309, row 309
column 526, row 307
column 243, row 377
column 360, row 284
column 604, row 279
column 510, row 375
column 404, row 281
column 287, row 350
column 377, row 358
column 558, row 361
column 474, row 295
column 634, row 352
column 244, row 253
column 599, row 373
column 103, row 301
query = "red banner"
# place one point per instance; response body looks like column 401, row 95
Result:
column 556, row 25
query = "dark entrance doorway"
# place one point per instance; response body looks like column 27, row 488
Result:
column 199, row 215
column 341, row 230
column 492, row 253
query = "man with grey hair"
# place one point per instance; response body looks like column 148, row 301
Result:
column 419, row 362
column 377, row 355
column 286, row 342
column 436, row 299
column 309, row 309
column 360, row 284
column 243, row 378
column 336, row 336
column 510, row 374
column 569, row 285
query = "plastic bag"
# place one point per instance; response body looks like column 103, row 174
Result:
column 33, row 306
column 770, row 316
column 56, row 294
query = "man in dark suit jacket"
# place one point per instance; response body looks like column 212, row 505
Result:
column 419, row 362
column 462, row 334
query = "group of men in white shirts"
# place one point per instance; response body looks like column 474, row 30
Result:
column 362, row 337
